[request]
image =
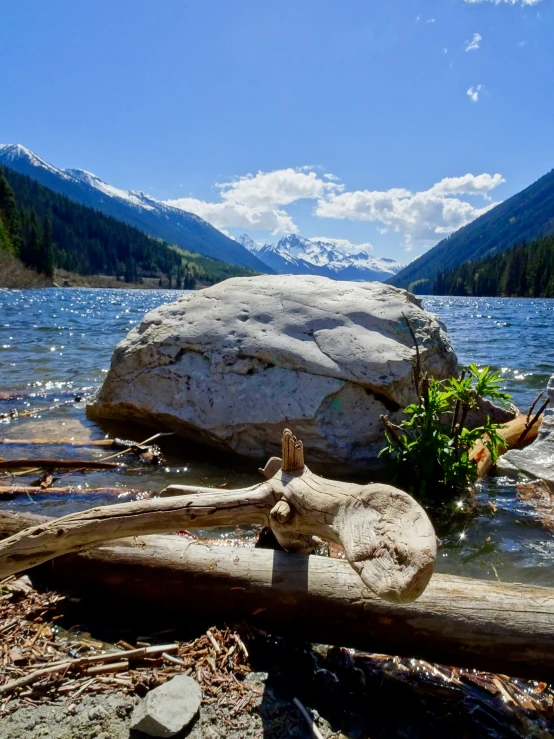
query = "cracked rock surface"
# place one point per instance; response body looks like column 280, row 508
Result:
column 234, row 364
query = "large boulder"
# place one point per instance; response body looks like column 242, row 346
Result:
column 235, row 364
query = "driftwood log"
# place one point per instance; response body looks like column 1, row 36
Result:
column 493, row 626
column 387, row 537
column 517, row 433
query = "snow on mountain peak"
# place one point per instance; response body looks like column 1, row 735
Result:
column 17, row 152
column 337, row 258
column 249, row 243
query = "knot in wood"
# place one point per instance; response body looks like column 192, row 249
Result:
column 281, row 512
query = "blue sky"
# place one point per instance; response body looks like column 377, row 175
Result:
column 356, row 120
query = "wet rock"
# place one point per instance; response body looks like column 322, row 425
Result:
column 236, row 363
column 537, row 459
column 168, row 709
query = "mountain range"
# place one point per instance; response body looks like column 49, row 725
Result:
column 524, row 217
column 136, row 208
column 329, row 258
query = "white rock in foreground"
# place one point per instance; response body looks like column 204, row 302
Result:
column 167, row 709
column 235, row 364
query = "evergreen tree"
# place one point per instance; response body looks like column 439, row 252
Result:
column 523, row 271
column 31, row 248
column 11, row 231
column 46, row 258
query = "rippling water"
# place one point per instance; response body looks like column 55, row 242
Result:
column 55, row 347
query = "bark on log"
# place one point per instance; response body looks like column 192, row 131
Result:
column 387, row 536
column 492, row 626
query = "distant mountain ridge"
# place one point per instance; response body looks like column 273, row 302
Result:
column 300, row 256
column 526, row 216
column 136, row 208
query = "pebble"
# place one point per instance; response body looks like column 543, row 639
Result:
column 97, row 713
column 169, row 708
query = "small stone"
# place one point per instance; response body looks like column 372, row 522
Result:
column 97, row 713
column 103, row 735
column 168, row 709
column 122, row 710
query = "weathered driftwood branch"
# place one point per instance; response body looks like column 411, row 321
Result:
column 103, row 443
column 387, row 537
column 65, row 464
column 480, row 624
column 514, row 433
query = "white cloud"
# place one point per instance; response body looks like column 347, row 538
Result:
column 238, row 215
column 474, row 43
column 474, row 92
column 432, row 20
column 281, row 187
column 258, row 203
column 253, row 201
column 422, row 217
column 507, row 2
column 469, row 184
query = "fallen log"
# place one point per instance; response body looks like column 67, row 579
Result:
column 13, row 491
column 103, row 443
column 65, row 464
column 387, row 536
column 516, row 433
column 479, row 624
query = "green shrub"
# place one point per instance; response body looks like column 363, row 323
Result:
column 430, row 449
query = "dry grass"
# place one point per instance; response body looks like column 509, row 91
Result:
column 13, row 274
column 63, row 278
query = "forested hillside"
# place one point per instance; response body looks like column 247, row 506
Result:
column 46, row 231
column 527, row 216
column 525, row 271
column 137, row 209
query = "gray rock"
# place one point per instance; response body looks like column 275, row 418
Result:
column 168, row 709
column 537, row 459
column 235, row 364
column 97, row 713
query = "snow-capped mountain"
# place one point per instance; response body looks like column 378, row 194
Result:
column 330, row 258
column 157, row 219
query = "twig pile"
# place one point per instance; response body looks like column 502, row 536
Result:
column 37, row 665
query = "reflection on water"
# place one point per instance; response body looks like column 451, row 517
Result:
column 55, row 347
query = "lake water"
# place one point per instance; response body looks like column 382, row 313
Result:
column 56, row 345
